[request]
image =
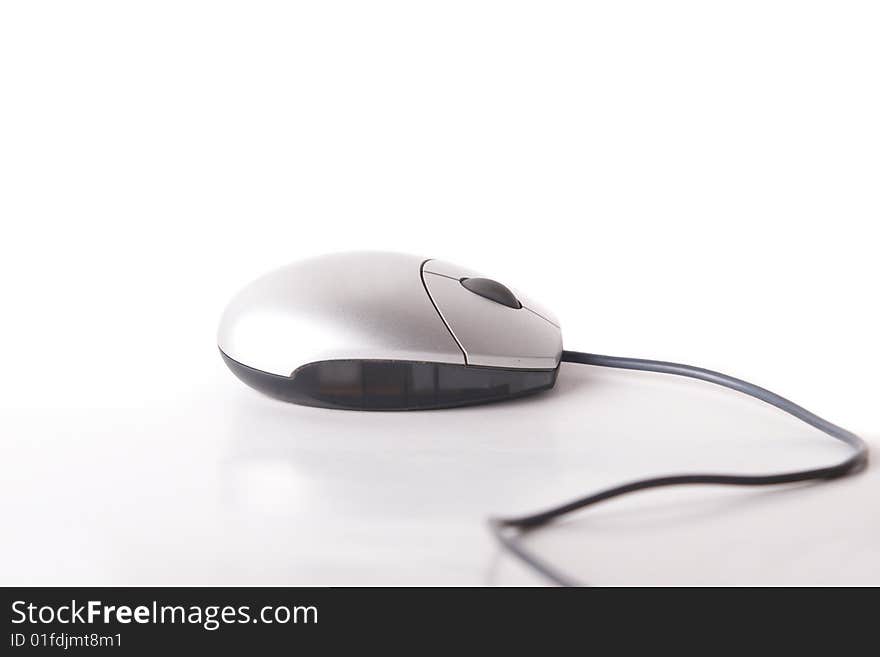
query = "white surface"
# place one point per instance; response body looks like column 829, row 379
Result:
column 685, row 181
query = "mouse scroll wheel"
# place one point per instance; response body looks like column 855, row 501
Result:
column 492, row 290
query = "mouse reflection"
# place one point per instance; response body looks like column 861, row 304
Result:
column 388, row 491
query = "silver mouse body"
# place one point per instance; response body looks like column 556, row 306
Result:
column 387, row 331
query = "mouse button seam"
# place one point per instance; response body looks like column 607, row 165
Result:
column 535, row 312
column 437, row 273
column 422, row 273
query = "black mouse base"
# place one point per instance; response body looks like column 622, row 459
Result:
column 393, row 385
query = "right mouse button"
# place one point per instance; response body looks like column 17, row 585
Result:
column 492, row 290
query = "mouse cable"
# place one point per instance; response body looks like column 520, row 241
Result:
column 855, row 463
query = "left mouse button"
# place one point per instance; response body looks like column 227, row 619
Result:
column 448, row 269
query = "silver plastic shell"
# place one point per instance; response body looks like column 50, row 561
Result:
column 380, row 306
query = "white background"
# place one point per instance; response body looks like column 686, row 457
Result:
column 682, row 180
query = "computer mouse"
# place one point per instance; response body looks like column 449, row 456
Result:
column 388, row 331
